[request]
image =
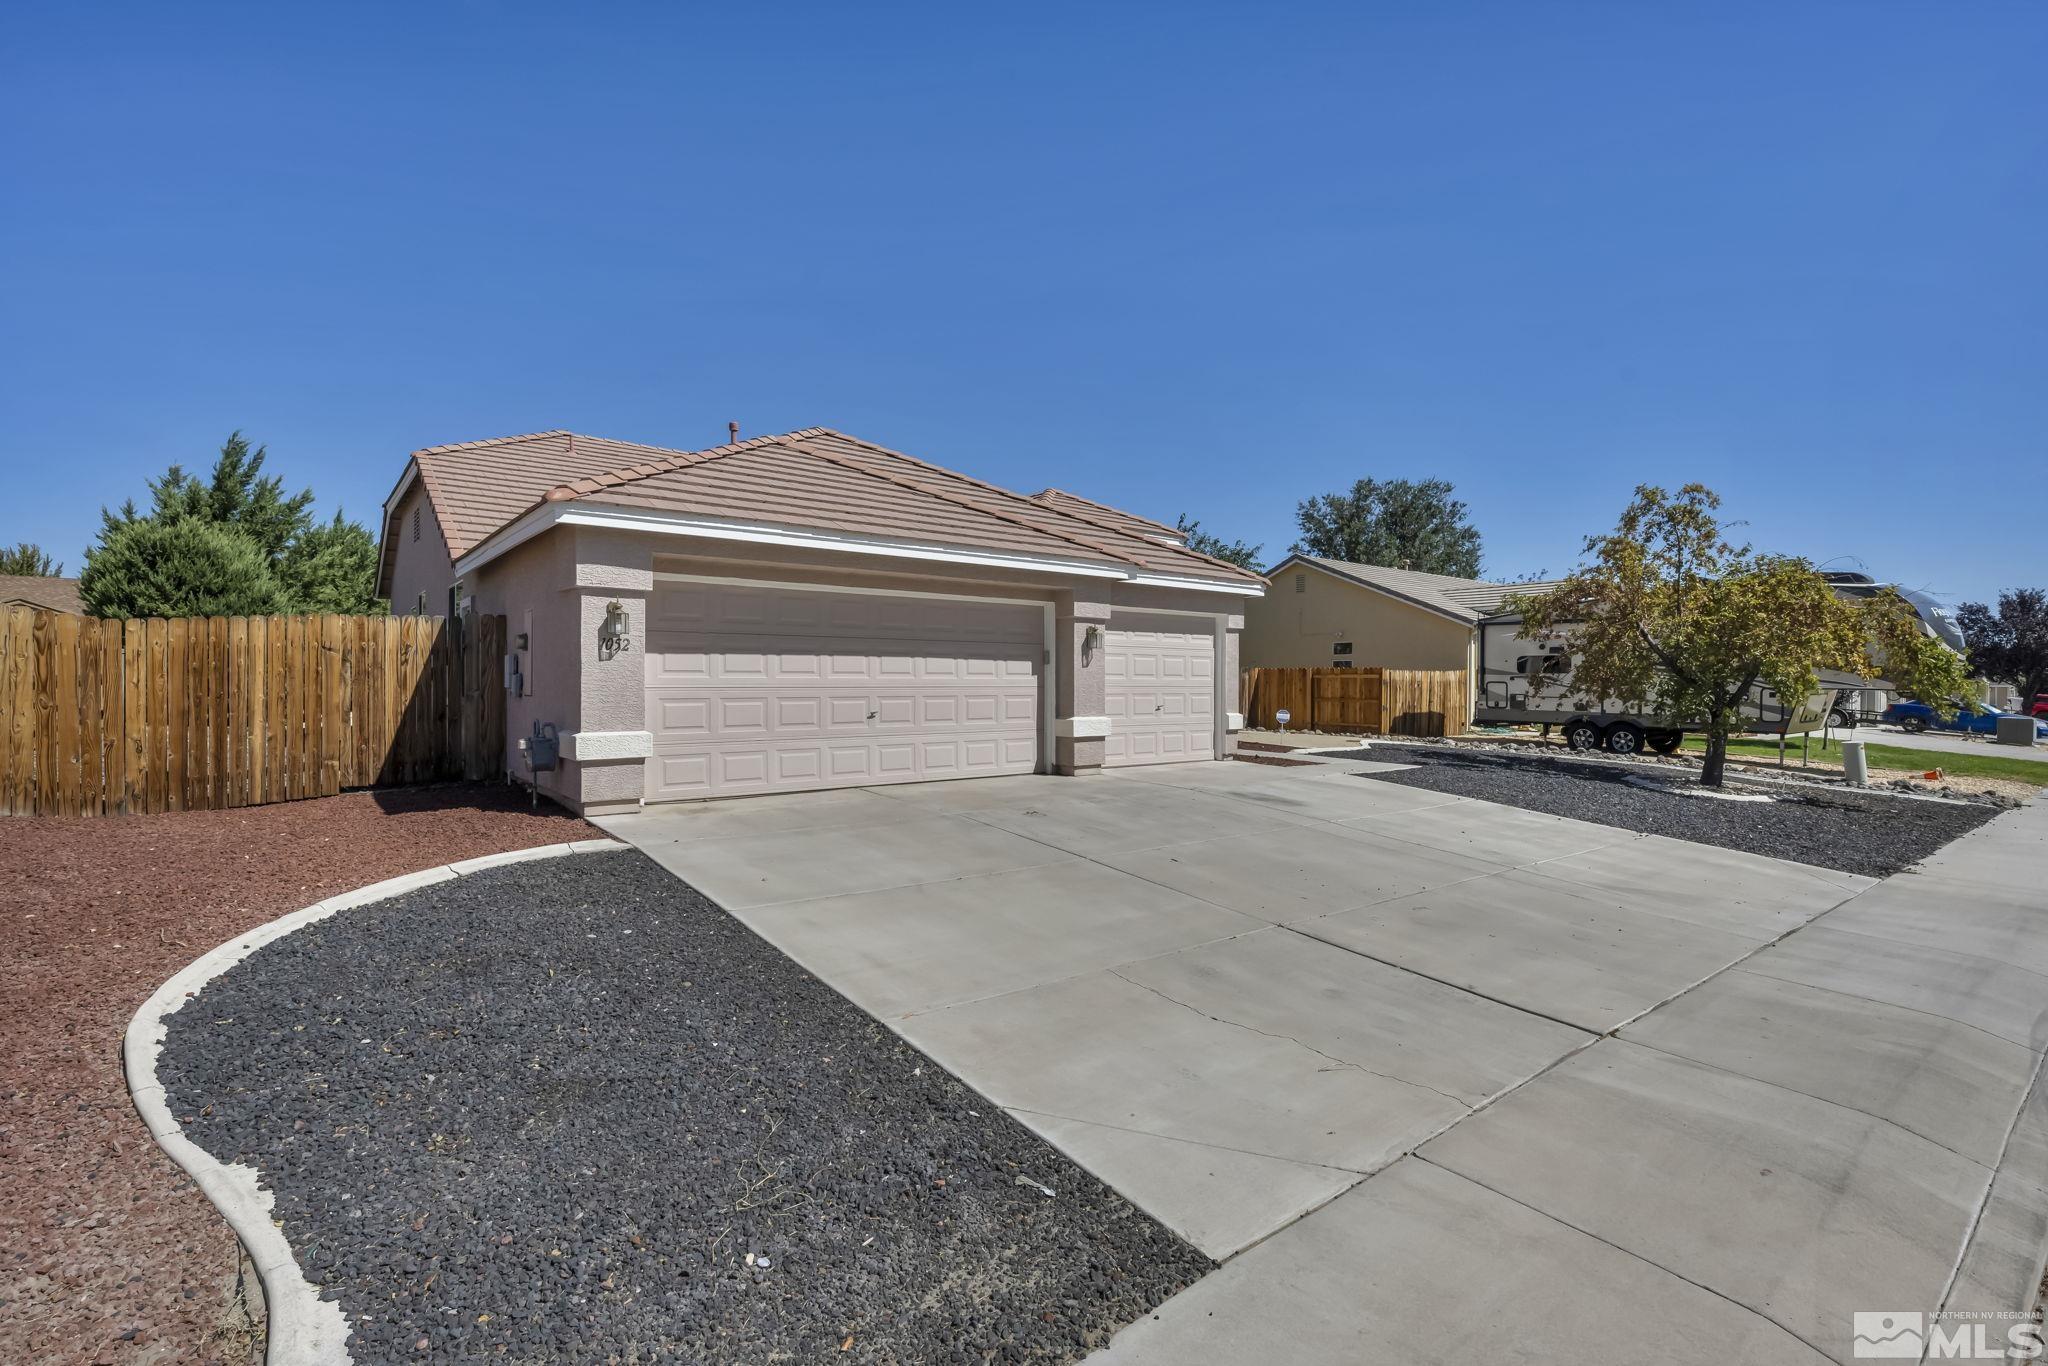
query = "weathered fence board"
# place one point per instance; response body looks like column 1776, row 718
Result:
column 1368, row 701
column 104, row 717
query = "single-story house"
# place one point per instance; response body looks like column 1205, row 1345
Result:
column 1333, row 614
column 40, row 590
column 811, row 610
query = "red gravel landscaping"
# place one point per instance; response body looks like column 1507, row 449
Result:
column 108, row 1253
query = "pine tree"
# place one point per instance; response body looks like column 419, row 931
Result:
column 305, row 566
column 182, row 568
column 29, row 560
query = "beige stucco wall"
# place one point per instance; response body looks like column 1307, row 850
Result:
column 1287, row 629
column 556, row 588
column 422, row 565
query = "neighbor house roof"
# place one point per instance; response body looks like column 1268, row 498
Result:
column 814, row 479
column 40, row 590
column 1461, row 599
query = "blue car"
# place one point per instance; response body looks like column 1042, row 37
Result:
column 1975, row 719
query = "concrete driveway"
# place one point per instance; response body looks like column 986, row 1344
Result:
column 1238, row 992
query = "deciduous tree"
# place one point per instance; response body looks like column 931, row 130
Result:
column 2011, row 644
column 1397, row 523
column 1671, row 616
column 1239, row 553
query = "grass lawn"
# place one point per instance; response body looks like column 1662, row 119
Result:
column 1757, row 748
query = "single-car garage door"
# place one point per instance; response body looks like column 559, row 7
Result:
column 1160, row 689
column 773, row 689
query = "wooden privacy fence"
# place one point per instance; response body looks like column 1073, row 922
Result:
column 205, row 713
column 1369, row 701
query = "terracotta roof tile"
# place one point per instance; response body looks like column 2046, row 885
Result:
column 814, row 478
column 1089, row 508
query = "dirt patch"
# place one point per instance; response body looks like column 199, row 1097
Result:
column 1274, row 760
column 111, row 1254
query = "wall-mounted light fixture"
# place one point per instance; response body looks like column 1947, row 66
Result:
column 1090, row 640
column 614, row 634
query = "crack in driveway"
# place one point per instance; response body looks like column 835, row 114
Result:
column 1459, row 1101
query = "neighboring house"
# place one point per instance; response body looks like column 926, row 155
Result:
column 810, row 610
column 40, row 590
column 1334, row 614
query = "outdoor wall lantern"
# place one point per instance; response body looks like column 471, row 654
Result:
column 613, row 634
column 1090, row 638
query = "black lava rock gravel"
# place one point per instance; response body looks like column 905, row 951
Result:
column 1855, row 833
column 570, row 1110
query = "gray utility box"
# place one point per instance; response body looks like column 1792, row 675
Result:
column 2016, row 730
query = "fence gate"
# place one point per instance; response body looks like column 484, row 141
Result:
column 205, row 713
column 1369, row 701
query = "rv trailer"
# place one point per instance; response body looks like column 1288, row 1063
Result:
column 1527, row 681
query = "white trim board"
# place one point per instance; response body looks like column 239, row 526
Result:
column 664, row 576
column 596, row 746
column 571, row 513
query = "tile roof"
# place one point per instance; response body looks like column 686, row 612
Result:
column 40, row 590
column 1089, row 510
column 813, row 479
column 1466, row 600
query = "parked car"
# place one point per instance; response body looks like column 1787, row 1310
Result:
column 1971, row 719
column 2039, row 706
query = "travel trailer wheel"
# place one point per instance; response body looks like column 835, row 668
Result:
column 1665, row 741
column 1582, row 735
column 1624, row 737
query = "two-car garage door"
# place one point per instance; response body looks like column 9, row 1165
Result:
column 756, row 688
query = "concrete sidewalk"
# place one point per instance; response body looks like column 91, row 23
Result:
column 1847, row 1120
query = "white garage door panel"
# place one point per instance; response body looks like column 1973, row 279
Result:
column 772, row 690
column 1159, row 690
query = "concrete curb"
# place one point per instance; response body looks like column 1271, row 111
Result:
column 304, row 1330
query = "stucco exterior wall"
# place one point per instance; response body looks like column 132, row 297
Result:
column 1290, row 629
column 528, row 586
column 420, row 565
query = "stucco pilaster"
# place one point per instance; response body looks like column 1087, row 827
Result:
column 1081, row 689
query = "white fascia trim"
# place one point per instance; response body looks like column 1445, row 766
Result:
column 1237, row 590
column 589, row 746
column 722, row 529
column 1126, row 610
column 665, row 576
column 405, row 481
column 1082, row 727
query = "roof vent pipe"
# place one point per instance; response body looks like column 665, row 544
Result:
column 732, row 431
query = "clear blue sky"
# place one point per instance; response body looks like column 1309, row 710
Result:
column 1178, row 258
